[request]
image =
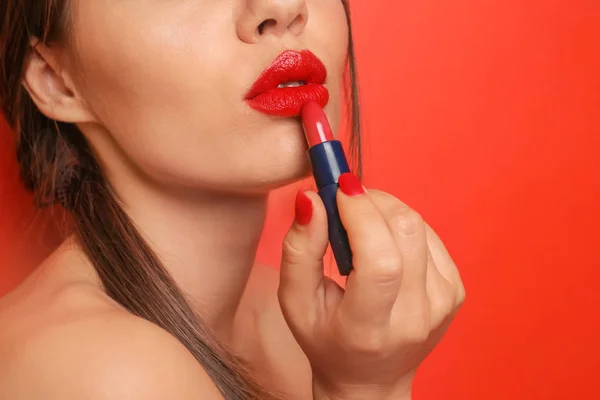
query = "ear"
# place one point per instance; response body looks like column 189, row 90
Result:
column 51, row 86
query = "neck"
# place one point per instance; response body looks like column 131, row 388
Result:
column 207, row 242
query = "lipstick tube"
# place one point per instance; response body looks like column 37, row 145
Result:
column 328, row 162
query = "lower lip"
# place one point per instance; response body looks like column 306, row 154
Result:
column 288, row 102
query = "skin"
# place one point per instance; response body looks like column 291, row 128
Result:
column 194, row 165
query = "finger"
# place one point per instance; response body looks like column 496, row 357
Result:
column 372, row 287
column 441, row 295
column 301, row 271
column 426, row 298
column 409, row 232
column 412, row 308
column 445, row 264
column 442, row 259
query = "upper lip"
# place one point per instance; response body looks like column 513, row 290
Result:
column 290, row 66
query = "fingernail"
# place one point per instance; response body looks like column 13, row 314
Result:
column 304, row 208
column 350, row 184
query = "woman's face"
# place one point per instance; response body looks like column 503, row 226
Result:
column 167, row 80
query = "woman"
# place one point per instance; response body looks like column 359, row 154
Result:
column 136, row 116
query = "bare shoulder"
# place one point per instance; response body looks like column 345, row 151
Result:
column 283, row 361
column 67, row 340
column 106, row 356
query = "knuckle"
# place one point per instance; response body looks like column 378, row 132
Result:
column 460, row 295
column 291, row 252
column 417, row 326
column 406, row 221
column 417, row 331
column 447, row 304
column 387, row 267
column 450, row 303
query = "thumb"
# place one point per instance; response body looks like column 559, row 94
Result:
column 301, row 272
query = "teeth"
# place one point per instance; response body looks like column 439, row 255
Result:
column 291, row 84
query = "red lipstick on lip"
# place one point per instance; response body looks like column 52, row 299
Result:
column 328, row 162
column 289, row 67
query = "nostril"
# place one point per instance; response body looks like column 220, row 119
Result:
column 268, row 23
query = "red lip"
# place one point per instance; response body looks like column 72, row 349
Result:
column 289, row 66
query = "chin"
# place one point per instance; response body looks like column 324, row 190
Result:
column 257, row 180
column 283, row 177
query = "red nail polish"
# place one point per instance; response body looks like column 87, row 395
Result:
column 350, row 184
column 304, row 208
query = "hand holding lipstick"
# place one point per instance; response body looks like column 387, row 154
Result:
column 366, row 342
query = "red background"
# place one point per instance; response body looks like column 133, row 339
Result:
column 484, row 116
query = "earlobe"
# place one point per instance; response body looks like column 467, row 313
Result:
column 51, row 88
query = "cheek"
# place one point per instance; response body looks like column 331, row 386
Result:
column 139, row 68
column 148, row 85
column 328, row 32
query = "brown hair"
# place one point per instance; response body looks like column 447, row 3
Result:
column 57, row 166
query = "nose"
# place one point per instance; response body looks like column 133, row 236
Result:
column 262, row 18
